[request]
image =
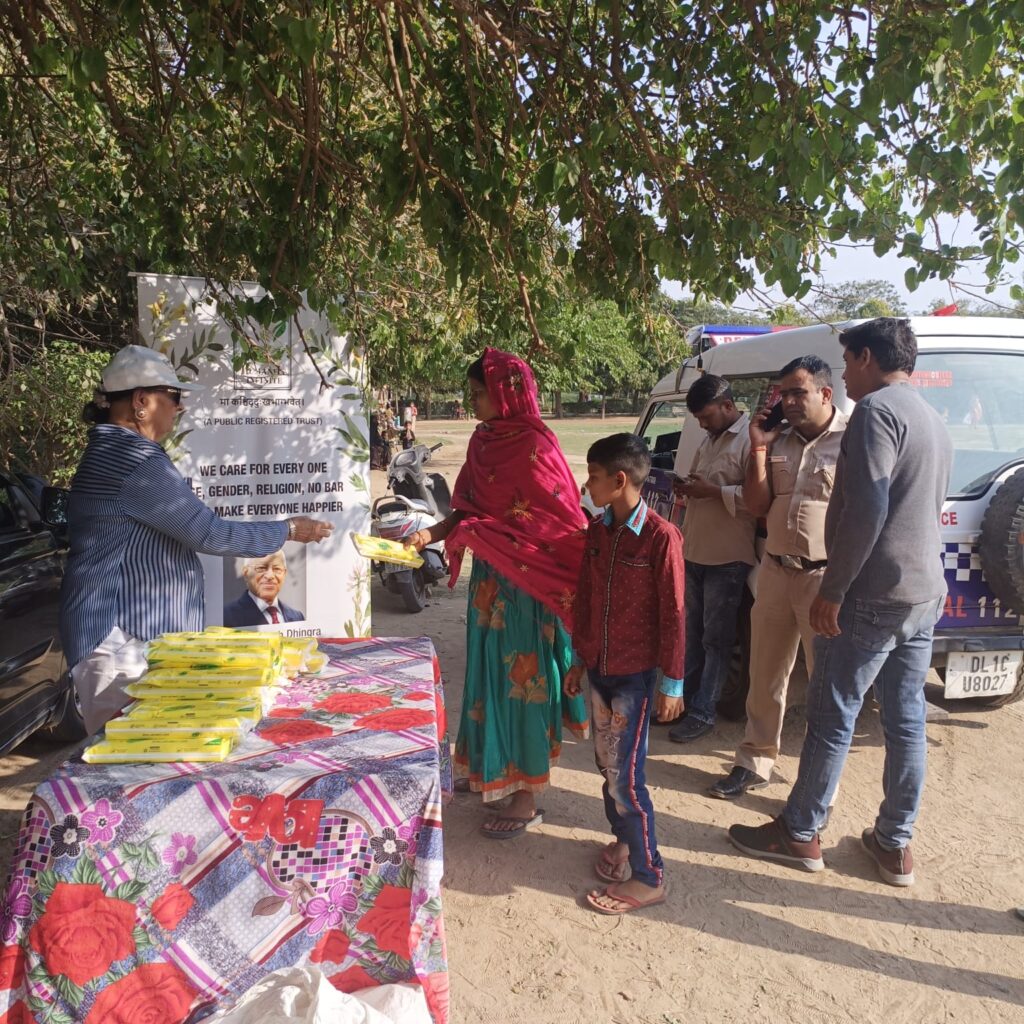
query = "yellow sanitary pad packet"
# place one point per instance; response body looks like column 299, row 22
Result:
column 196, row 746
column 381, row 550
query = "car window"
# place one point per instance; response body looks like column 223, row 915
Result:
column 978, row 396
column 662, row 428
column 751, row 393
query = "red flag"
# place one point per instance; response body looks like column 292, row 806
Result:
column 945, row 311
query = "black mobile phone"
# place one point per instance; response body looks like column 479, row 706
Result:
column 774, row 418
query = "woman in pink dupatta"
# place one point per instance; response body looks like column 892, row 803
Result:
column 517, row 509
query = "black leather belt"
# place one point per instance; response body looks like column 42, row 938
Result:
column 797, row 562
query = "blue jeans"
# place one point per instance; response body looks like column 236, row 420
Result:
column 621, row 714
column 890, row 646
column 713, row 594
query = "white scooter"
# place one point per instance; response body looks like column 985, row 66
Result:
column 417, row 501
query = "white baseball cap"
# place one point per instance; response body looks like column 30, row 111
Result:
column 136, row 366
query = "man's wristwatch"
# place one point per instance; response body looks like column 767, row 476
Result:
column 291, row 529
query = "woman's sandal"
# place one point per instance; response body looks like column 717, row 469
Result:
column 520, row 825
column 632, row 903
column 610, row 870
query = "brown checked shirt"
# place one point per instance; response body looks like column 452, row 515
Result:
column 716, row 530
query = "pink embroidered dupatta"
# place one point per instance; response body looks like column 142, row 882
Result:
column 522, row 503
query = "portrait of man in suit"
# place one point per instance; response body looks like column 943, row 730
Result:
column 260, row 605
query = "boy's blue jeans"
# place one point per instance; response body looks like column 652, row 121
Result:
column 621, row 713
column 890, row 646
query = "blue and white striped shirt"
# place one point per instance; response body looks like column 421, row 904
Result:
column 135, row 527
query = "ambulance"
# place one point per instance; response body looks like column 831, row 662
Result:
column 971, row 371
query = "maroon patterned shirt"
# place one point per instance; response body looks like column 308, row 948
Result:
column 629, row 601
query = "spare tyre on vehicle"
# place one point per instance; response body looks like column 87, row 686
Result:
column 1001, row 548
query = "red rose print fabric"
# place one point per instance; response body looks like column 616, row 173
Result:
column 82, row 932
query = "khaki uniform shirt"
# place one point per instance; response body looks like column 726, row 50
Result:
column 801, row 474
column 714, row 535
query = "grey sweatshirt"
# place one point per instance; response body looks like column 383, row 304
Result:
column 882, row 524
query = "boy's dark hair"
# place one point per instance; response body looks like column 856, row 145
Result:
column 817, row 368
column 705, row 390
column 622, row 453
column 475, row 371
column 891, row 341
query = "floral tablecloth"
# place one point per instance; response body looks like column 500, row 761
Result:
column 155, row 894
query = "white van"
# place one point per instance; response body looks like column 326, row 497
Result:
column 971, row 370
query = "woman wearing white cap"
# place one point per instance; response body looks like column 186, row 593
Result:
column 135, row 527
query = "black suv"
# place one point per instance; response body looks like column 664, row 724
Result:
column 35, row 687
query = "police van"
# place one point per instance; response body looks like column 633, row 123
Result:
column 971, row 371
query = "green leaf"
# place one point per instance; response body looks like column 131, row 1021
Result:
column 130, row 891
column 85, row 872
column 68, row 990
column 142, row 939
column 93, row 63
column 372, row 886
column 46, row 882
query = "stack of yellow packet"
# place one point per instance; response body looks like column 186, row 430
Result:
column 202, row 692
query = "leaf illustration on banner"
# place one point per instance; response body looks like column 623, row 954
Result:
column 357, row 435
column 268, row 906
column 141, row 938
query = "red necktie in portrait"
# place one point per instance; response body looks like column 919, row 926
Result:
column 274, row 617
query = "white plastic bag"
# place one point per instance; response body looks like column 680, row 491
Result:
column 303, row 995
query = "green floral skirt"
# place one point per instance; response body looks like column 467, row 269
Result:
column 513, row 710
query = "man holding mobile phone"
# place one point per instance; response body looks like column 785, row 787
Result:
column 718, row 534
column 789, row 480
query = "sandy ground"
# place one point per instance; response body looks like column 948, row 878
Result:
column 738, row 940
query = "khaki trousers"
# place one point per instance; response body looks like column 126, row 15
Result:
column 779, row 622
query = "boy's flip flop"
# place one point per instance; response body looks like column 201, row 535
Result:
column 520, row 825
column 631, row 902
column 609, row 870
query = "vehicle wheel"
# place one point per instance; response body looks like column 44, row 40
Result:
column 1001, row 546
column 68, row 725
column 414, row 594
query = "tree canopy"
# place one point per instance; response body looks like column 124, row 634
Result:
column 389, row 153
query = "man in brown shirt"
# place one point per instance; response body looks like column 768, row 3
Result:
column 718, row 534
column 789, row 479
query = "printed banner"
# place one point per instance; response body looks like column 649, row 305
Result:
column 268, row 440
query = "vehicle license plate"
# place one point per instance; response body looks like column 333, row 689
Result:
column 982, row 673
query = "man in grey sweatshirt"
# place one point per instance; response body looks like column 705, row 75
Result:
column 879, row 600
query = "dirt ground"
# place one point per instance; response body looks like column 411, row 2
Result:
column 738, row 940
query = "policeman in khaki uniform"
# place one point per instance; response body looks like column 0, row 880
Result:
column 789, row 480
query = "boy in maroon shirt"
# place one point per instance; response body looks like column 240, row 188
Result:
column 628, row 624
